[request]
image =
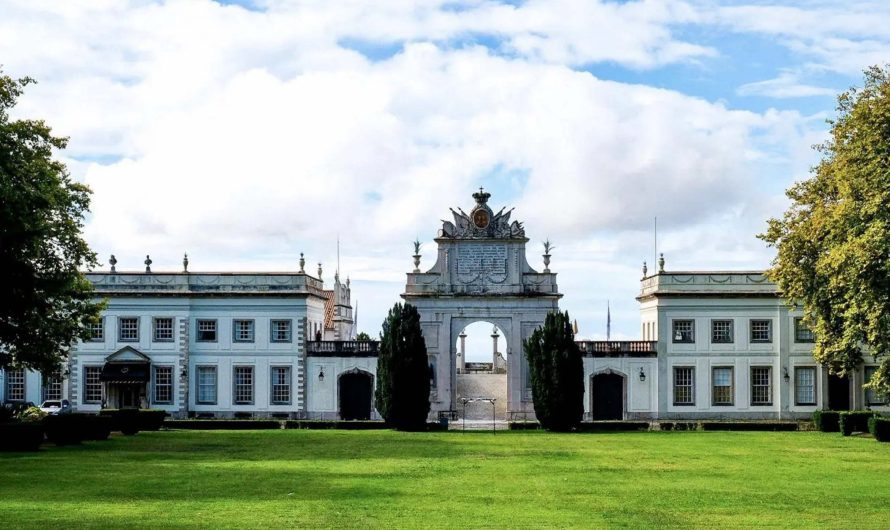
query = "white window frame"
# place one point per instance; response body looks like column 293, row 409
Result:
column 800, row 328
column 200, row 385
column 97, row 331
column 675, row 323
column 52, row 386
column 155, row 335
column 243, row 330
column 274, row 330
column 206, row 322
column 120, row 329
column 239, row 385
column 798, row 372
column 769, row 330
column 769, row 386
column 714, row 386
column 690, row 384
column 730, row 329
column 281, row 388
column 16, row 385
column 160, row 385
column 92, row 384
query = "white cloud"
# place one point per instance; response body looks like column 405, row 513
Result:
column 247, row 137
column 786, row 85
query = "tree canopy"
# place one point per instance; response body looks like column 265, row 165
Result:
column 46, row 303
column 402, row 396
column 833, row 243
column 557, row 373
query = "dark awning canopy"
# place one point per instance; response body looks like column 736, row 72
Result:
column 125, row 373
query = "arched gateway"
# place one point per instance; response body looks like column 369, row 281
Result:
column 481, row 273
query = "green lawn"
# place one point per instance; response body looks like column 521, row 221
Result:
column 389, row 479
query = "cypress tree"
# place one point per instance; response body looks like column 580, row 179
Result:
column 557, row 373
column 402, row 396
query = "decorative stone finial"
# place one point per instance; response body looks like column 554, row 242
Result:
column 319, row 270
column 547, row 248
column 661, row 262
column 113, row 262
column 302, row 264
column 645, row 269
column 494, row 331
column 185, row 262
column 147, row 263
column 481, row 196
column 347, row 282
column 416, row 256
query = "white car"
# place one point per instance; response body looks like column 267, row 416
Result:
column 53, row 406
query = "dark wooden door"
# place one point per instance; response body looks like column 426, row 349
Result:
column 608, row 397
column 838, row 393
column 355, row 397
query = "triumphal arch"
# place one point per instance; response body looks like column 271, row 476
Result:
column 481, row 274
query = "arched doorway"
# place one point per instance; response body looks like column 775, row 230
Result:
column 481, row 372
column 355, row 390
column 607, row 395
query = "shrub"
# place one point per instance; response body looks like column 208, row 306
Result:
column 749, row 425
column 95, row 427
column 20, row 436
column 879, row 428
column 32, row 415
column 222, row 424
column 827, row 420
column 854, row 421
column 403, row 374
column 64, row 429
column 557, row 373
column 131, row 421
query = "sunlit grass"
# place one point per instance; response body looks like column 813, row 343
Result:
column 389, row 479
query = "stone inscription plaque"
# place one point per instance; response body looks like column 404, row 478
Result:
column 474, row 260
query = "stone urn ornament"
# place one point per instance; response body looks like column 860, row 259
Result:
column 547, row 248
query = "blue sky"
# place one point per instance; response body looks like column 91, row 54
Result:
column 248, row 132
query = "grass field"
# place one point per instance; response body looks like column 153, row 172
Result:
column 389, row 479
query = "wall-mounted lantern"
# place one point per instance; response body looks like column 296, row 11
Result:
column 642, row 375
column 321, row 374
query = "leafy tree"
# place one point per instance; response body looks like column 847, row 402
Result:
column 557, row 373
column 403, row 385
column 45, row 301
column 362, row 336
column 834, row 241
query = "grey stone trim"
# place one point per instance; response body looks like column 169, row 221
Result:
column 300, row 342
column 184, row 366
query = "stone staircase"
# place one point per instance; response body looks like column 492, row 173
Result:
column 482, row 386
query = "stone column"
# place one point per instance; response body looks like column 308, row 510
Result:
column 494, row 349
column 461, row 362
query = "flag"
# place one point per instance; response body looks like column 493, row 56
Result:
column 608, row 321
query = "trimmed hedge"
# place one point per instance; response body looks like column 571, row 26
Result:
column 827, row 420
column 131, row 421
column 95, row 427
column 20, row 436
column 855, row 421
column 613, row 426
column 749, row 426
column 235, row 425
column 65, row 429
column 879, row 428
column 337, row 424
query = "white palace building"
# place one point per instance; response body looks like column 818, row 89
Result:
column 714, row 345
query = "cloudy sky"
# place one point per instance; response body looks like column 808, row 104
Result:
column 248, row 132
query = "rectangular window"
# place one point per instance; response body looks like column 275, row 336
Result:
column 281, row 385
column 721, row 381
column 684, row 385
column 52, row 386
column 128, row 329
column 721, row 331
column 801, row 332
column 281, row 331
column 92, row 385
column 761, row 387
column 163, row 384
column 243, row 385
column 206, row 385
column 206, row 330
column 15, row 384
column 805, row 385
column 684, row 331
column 97, row 331
column 761, row 331
column 163, row 330
column 242, row 330
column 871, row 397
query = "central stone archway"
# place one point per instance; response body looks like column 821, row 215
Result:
column 481, row 273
